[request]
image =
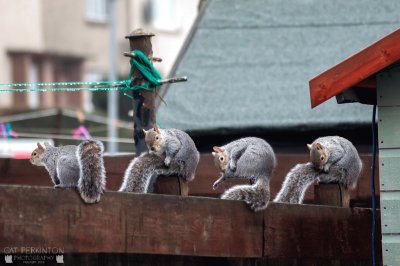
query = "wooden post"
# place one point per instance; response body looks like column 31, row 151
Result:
column 183, row 187
column 332, row 195
column 143, row 101
column 144, row 116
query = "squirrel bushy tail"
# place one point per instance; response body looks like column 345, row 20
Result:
column 144, row 170
column 296, row 182
column 256, row 196
column 141, row 173
column 92, row 174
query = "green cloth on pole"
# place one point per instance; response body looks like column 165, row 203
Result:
column 146, row 68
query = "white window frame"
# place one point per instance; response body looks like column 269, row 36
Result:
column 165, row 15
column 96, row 11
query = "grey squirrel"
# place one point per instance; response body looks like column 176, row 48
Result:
column 73, row 166
column 171, row 152
column 251, row 158
column 176, row 148
column 248, row 158
column 296, row 182
column 60, row 162
column 333, row 159
column 338, row 159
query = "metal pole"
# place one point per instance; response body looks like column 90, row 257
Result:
column 112, row 99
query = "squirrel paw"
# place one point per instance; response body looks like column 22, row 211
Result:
column 167, row 161
column 218, row 182
column 232, row 166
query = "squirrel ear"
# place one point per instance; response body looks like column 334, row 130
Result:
column 319, row 146
column 155, row 128
column 47, row 145
column 144, row 131
column 218, row 149
column 40, row 146
column 309, row 146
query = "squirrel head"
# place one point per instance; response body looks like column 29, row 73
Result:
column 221, row 158
column 155, row 140
column 318, row 154
column 36, row 155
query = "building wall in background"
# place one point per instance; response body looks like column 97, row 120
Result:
column 20, row 28
column 45, row 35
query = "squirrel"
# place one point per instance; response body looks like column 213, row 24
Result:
column 296, row 182
column 171, row 152
column 73, row 166
column 60, row 162
column 251, row 158
column 338, row 159
column 248, row 157
column 92, row 174
column 176, row 148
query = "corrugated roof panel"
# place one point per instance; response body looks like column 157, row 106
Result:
column 249, row 63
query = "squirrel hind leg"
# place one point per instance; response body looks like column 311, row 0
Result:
column 259, row 207
column 190, row 177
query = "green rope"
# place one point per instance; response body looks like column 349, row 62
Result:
column 140, row 62
column 70, row 83
column 40, row 86
column 62, row 89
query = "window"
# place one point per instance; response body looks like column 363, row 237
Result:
column 165, row 15
column 96, row 11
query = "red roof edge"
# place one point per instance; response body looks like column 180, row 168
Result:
column 355, row 69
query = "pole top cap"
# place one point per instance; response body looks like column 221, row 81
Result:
column 139, row 33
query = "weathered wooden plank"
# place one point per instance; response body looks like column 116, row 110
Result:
column 389, row 127
column 390, row 211
column 390, row 248
column 128, row 222
column 388, row 82
column 331, row 195
column 190, row 226
column 389, row 162
column 355, row 68
column 317, row 232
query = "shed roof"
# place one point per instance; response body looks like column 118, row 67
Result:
column 356, row 70
column 248, row 63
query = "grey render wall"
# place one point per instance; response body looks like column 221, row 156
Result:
column 249, row 63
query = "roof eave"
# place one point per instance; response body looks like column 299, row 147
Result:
column 355, row 69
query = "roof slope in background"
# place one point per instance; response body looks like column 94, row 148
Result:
column 249, row 63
